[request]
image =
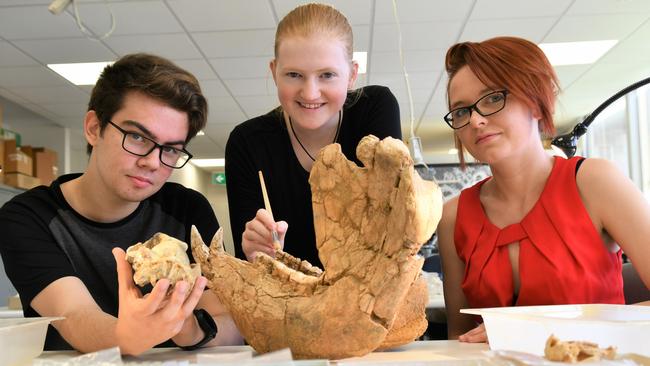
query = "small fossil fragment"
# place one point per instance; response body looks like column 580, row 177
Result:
column 160, row 257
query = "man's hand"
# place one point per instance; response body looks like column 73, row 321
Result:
column 257, row 236
column 144, row 322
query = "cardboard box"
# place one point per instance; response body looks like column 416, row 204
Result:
column 45, row 163
column 15, row 160
column 13, row 303
column 19, row 180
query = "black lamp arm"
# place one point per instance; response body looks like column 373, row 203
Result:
column 568, row 142
column 590, row 118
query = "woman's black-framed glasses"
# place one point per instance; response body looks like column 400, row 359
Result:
column 136, row 144
column 486, row 105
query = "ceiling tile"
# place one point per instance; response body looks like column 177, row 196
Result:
column 199, row 68
column 357, row 11
column 42, row 23
column 362, row 80
column 5, row 93
column 533, row 29
column 236, row 43
column 210, row 15
column 29, row 76
column 570, row 73
column 129, row 18
column 415, row 61
column 420, row 96
column 204, row 147
column 12, row 56
column 437, row 107
column 419, row 81
column 256, row 105
column 620, row 76
column 53, row 94
column 174, row 46
column 38, row 109
column 73, row 110
column 220, row 132
column 67, row 50
column 632, row 45
column 582, row 7
column 86, row 88
column 361, row 37
column 213, row 88
column 222, row 103
column 248, row 87
column 242, row 68
column 499, row 9
column 228, row 117
column 416, row 36
column 595, row 27
column 417, row 11
column 24, row 2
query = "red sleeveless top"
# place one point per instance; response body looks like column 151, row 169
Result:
column 562, row 258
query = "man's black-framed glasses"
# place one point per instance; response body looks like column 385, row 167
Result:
column 139, row 145
column 487, row 105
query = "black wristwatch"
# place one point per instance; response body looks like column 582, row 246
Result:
column 208, row 326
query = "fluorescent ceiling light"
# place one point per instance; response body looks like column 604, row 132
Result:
column 362, row 59
column 209, row 163
column 452, row 151
column 84, row 73
column 576, row 53
column 200, row 133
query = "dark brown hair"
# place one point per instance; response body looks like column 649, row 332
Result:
column 157, row 78
column 515, row 64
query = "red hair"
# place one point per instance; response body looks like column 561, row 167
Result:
column 515, row 64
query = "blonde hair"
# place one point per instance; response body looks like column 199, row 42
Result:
column 309, row 19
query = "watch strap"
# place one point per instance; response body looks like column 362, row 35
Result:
column 209, row 327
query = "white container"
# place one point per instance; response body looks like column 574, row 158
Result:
column 526, row 328
column 22, row 339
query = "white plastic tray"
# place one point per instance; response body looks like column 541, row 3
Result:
column 526, row 328
column 22, row 339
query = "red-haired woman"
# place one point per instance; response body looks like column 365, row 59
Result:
column 542, row 230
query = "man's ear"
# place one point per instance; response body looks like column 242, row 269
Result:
column 272, row 66
column 353, row 74
column 92, row 128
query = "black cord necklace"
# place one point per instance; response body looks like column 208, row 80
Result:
column 336, row 136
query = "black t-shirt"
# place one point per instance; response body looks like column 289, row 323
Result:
column 44, row 239
column 263, row 143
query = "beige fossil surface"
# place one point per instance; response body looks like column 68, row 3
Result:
column 370, row 222
column 160, row 257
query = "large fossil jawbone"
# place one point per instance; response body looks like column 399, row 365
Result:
column 370, row 223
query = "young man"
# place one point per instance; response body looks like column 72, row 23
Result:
column 60, row 244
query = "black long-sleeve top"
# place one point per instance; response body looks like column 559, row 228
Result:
column 263, row 143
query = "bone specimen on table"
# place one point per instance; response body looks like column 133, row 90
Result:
column 160, row 257
column 370, row 223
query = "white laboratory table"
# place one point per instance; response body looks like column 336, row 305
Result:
column 415, row 352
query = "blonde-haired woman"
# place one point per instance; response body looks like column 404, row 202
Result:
column 314, row 74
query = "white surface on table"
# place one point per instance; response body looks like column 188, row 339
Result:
column 414, row 351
